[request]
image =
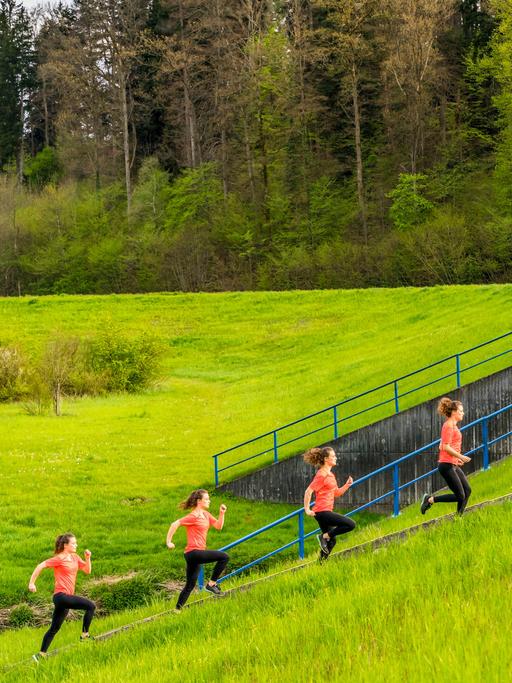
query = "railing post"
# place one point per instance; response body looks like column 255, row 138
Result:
column 301, row 534
column 216, row 466
column 457, row 369
column 335, row 412
column 396, row 495
column 276, row 456
column 397, row 408
column 485, row 443
column 200, row 578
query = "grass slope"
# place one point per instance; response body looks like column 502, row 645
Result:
column 113, row 469
column 432, row 608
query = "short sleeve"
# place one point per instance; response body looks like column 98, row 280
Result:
column 54, row 561
column 317, row 483
column 447, row 433
column 188, row 520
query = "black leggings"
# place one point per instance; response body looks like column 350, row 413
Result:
column 194, row 560
column 63, row 603
column 457, row 482
column 334, row 524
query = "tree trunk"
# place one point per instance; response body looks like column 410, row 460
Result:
column 359, row 155
column 126, row 138
column 21, row 149
column 57, row 399
column 46, row 122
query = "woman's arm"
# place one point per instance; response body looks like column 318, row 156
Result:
column 307, row 501
column 88, row 566
column 32, row 583
column 220, row 522
column 172, row 530
column 343, row 489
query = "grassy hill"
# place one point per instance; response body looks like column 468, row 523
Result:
column 434, row 607
column 113, row 469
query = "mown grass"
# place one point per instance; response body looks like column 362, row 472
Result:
column 18, row 645
column 435, row 607
column 113, row 469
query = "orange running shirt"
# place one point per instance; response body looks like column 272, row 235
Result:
column 197, row 527
column 326, row 490
column 65, row 570
column 450, row 435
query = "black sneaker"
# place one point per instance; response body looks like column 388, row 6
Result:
column 331, row 543
column 324, row 547
column 215, row 590
column 425, row 505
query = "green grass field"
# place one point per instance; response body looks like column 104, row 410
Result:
column 113, row 469
column 434, row 607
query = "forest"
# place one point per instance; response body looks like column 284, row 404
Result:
column 211, row 145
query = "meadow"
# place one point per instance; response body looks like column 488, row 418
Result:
column 433, row 607
column 114, row 468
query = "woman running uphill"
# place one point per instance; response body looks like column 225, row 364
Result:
column 197, row 524
column 450, row 459
column 65, row 564
column 325, row 488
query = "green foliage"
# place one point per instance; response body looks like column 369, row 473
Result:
column 43, row 168
column 409, row 208
column 20, row 616
column 193, row 198
column 124, row 364
column 11, row 374
column 125, row 593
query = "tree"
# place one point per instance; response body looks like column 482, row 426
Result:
column 16, row 77
column 412, row 70
column 349, row 46
column 56, row 367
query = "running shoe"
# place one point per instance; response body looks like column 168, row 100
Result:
column 215, row 590
column 331, row 543
column 425, row 505
column 39, row 657
column 324, row 547
column 84, row 639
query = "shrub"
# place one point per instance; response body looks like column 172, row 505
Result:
column 21, row 615
column 11, row 371
column 124, row 364
column 124, row 594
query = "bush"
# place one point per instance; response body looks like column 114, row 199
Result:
column 11, row 371
column 123, row 364
column 21, row 615
column 124, row 594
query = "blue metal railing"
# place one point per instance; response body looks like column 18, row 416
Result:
column 332, row 413
column 395, row 492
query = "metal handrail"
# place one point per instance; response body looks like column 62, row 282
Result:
column 336, row 420
column 395, row 492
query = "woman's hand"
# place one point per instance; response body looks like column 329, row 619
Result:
column 222, row 508
column 349, row 482
column 309, row 512
column 87, row 554
column 32, row 587
column 170, row 545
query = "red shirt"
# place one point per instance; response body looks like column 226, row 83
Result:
column 65, row 569
column 197, row 527
column 450, row 435
column 326, row 490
